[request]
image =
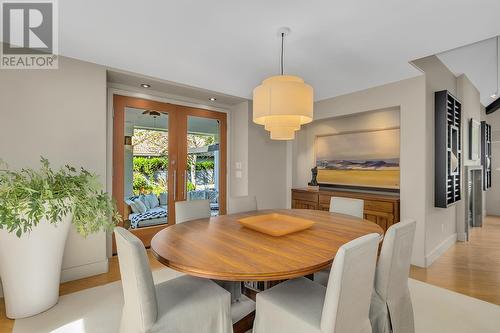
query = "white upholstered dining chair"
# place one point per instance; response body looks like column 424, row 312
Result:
column 303, row 306
column 191, row 210
column 242, row 204
column 182, row 305
column 391, row 308
column 348, row 206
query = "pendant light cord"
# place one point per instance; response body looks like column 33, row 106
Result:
column 282, row 52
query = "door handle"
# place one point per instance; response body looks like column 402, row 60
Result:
column 175, row 185
column 185, row 185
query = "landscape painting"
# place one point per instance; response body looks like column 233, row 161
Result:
column 360, row 159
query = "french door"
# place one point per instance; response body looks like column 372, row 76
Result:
column 163, row 153
column 202, row 157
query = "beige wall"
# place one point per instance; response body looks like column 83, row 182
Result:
column 468, row 94
column 443, row 223
column 493, row 194
column 409, row 97
column 238, row 165
column 441, row 229
column 263, row 161
column 266, row 167
column 60, row 114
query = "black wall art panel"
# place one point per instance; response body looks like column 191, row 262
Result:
column 448, row 149
column 486, row 154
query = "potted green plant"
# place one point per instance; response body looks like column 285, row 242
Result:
column 37, row 208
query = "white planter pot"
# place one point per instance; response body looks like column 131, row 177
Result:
column 30, row 267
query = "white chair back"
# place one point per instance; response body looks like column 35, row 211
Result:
column 391, row 277
column 350, row 285
column 191, row 210
column 140, row 309
column 242, row 204
column 348, row 206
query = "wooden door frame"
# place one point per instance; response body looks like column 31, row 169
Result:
column 177, row 115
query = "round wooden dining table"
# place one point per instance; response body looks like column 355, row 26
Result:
column 221, row 248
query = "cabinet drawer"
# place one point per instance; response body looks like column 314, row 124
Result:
column 305, row 196
column 324, row 207
column 383, row 221
column 379, row 206
column 324, row 199
column 298, row 204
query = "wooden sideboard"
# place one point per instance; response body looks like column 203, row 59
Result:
column 379, row 208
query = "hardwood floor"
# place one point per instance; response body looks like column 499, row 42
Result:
column 471, row 268
column 6, row 324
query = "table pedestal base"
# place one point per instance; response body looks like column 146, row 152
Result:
column 242, row 314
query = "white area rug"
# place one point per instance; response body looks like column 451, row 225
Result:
column 439, row 310
column 98, row 310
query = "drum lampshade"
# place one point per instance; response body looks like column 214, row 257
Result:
column 283, row 103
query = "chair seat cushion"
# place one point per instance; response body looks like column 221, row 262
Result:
column 292, row 306
column 188, row 304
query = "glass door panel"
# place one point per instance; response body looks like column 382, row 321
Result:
column 202, row 172
column 146, row 165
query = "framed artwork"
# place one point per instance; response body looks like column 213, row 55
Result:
column 359, row 159
column 474, row 139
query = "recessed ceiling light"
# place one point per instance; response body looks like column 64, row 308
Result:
column 494, row 96
column 213, row 99
column 145, row 85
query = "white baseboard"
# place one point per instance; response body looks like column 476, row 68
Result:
column 440, row 249
column 80, row 272
column 462, row 237
column 419, row 262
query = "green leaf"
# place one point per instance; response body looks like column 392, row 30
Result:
column 27, row 196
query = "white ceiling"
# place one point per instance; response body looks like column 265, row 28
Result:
column 230, row 46
column 173, row 90
column 479, row 62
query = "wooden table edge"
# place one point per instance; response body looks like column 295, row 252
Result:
column 246, row 277
column 241, row 277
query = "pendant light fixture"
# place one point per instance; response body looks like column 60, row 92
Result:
column 496, row 94
column 283, row 103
